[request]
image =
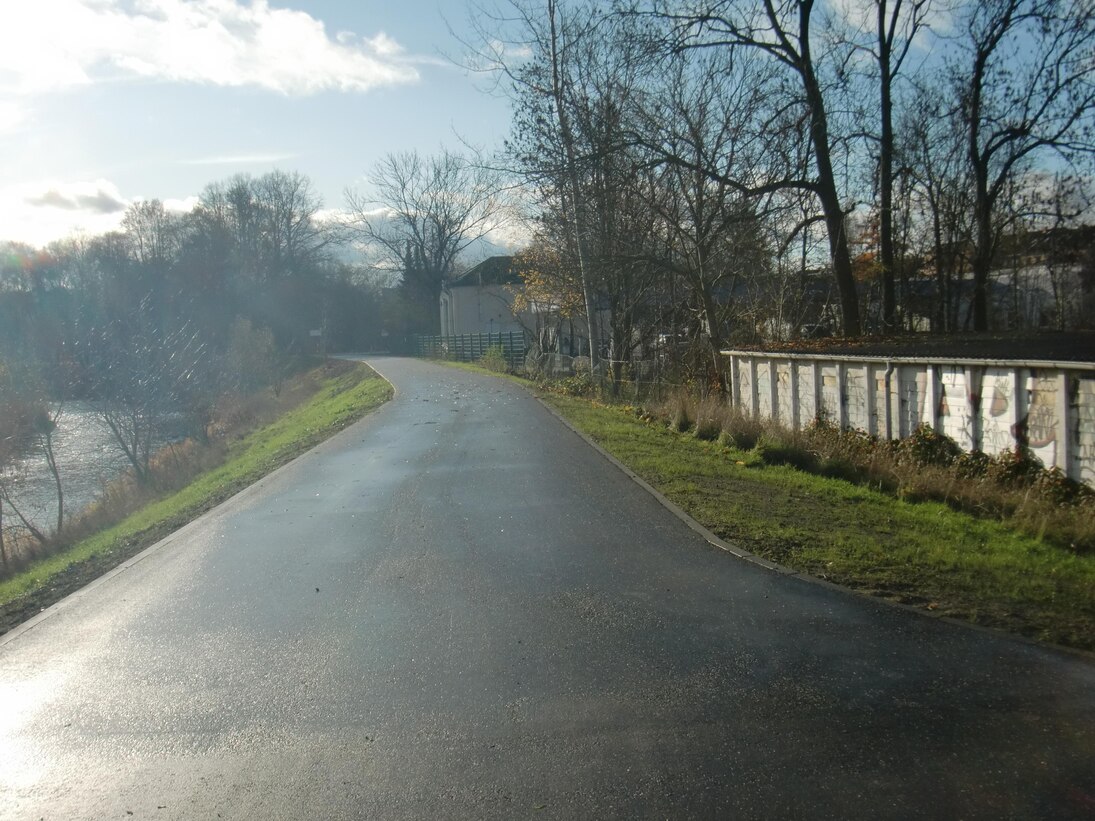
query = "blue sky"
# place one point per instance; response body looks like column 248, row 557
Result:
column 104, row 102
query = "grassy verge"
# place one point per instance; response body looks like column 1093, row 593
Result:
column 340, row 400
column 920, row 553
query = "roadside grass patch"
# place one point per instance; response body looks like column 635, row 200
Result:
column 920, row 553
column 344, row 396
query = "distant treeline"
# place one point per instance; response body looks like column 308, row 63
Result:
column 178, row 285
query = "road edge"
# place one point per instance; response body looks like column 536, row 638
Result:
column 201, row 520
column 743, row 554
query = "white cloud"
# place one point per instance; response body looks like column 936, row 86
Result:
column 66, row 43
column 383, row 45
column 335, row 216
column 183, row 205
column 40, row 212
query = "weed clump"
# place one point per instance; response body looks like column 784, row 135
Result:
column 494, row 359
column 681, row 420
column 774, row 449
column 926, row 446
column 581, row 384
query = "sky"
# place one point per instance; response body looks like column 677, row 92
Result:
column 107, row 102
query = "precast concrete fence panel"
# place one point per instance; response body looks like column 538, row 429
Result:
column 987, row 405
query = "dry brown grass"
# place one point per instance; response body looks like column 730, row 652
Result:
column 1011, row 487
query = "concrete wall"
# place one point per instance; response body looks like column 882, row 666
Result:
column 478, row 309
column 982, row 404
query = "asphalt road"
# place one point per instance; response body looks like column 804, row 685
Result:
column 456, row 608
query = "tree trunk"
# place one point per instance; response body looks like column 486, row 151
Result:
column 51, row 461
column 982, row 255
column 885, row 186
column 567, row 136
column 830, row 199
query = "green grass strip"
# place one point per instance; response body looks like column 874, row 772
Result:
column 921, row 553
column 340, row 401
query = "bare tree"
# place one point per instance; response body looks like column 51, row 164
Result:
column 783, row 31
column 933, row 152
column 538, row 54
column 885, row 31
column 293, row 242
column 1025, row 81
column 140, row 373
column 698, row 129
column 153, row 234
column 420, row 213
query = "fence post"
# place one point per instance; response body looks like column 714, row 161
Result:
column 796, row 415
column 975, row 382
column 933, row 397
column 1064, row 426
column 773, row 389
column 841, row 396
column 870, row 388
column 754, row 398
column 819, row 387
column 735, row 382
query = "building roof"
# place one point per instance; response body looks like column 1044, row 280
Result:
column 497, row 270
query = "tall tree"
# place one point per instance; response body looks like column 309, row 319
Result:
column 933, row 150
column 697, row 127
column 1025, row 80
column 784, row 31
column 420, row 213
column 886, row 32
column 540, row 54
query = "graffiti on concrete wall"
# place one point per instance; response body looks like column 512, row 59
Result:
column 1041, row 421
column 955, row 405
column 764, row 389
column 993, row 407
column 1084, row 452
column 855, row 398
column 830, row 393
column 998, row 428
column 783, row 393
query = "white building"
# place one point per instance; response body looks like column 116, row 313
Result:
column 480, row 301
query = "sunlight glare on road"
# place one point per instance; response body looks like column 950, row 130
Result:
column 25, row 700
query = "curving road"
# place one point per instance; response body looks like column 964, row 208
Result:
column 456, row 608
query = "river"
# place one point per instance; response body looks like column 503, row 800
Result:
column 87, row 457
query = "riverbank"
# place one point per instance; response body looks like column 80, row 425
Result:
column 318, row 404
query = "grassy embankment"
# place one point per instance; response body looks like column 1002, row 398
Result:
column 341, row 397
column 920, row 553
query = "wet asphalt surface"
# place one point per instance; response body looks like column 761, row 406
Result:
column 456, row 608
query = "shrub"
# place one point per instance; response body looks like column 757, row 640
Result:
column 494, row 359
column 1013, row 467
column 927, row 446
column 707, row 429
column 1053, row 485
column 581, row 384
column 972, row 465
column 776, row 450
column 709, row 419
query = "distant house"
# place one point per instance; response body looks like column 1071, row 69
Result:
column 480, row 300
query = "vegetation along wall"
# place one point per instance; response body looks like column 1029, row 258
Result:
column 987, row 405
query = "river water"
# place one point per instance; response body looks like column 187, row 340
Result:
column 87, row 457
